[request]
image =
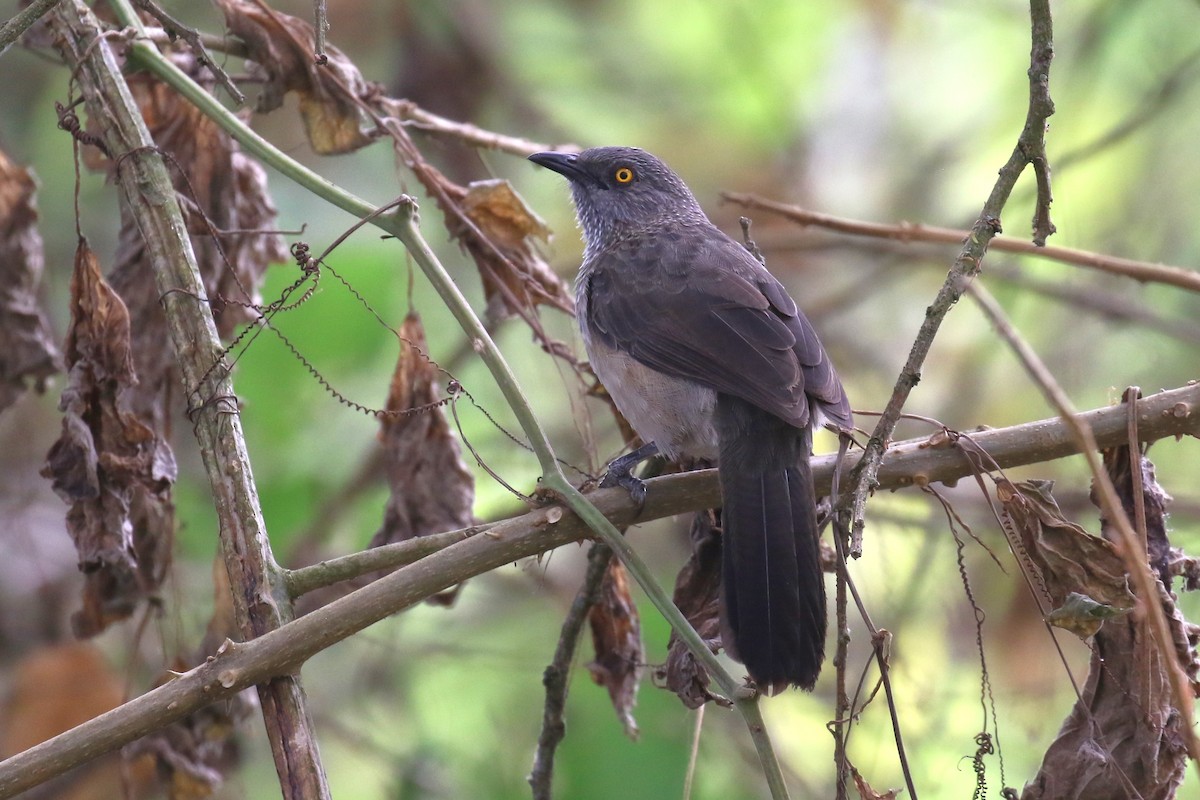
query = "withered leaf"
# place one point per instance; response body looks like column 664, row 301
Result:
column 698, row 595
column 865, row 792
column 107, row 459
column 1067, row 558
column 617, row 639
column 1124, row 737
column 282, row 49
column 1154, row 504
column 28, row 354
column 496, row 233
column 501, row 213
column 431, row 488
column 503, row 218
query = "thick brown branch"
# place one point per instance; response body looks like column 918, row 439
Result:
column 907, row 232
column 1175, row 412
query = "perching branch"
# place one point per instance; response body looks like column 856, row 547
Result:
column 914, row 462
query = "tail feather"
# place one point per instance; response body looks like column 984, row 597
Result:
column 773, row 591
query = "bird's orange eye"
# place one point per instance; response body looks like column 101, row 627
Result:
column 623, row 175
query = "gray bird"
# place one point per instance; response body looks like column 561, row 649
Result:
column 707, row 356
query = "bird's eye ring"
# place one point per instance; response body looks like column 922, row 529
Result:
column 623, row 175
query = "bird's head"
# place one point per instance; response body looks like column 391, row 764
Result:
column 621, row 190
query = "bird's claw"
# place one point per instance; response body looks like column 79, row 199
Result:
column 627, row 481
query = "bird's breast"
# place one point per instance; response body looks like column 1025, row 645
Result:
column 676, row 414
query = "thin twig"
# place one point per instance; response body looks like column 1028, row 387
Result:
column 413, row 116
column 1030, row 145
column 195, row 42
column 212, row 41
column 907, row 232
column 1135, row 561
column 320, row 30
column 880, row 659
column 556, row 678
column 841, row 724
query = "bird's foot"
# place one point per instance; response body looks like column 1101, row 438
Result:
column 627, row 481
column 620, row 473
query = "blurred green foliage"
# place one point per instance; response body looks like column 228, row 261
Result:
column 881, row 110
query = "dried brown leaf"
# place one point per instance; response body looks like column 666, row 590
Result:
column 516, row 273
column 108, row 463
column 502, row 214
column 497, row 234
column 1154, row 504
column 28, row 354
column 698, row 595
column 1068, row 559
column 617, row 639
column 432, row 490
column 865, row 792
column 282, row 50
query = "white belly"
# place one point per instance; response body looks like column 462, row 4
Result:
column 675, row 414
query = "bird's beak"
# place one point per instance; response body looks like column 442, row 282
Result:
column 565, row 164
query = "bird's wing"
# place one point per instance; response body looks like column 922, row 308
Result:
column 700, row 307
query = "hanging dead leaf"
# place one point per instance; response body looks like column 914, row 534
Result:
column 1068, row 559
column 698, row 595
column 865, row 792
column 28, row 354
column 617, row 639
column 107, row 458
column 502, row 214
column 1154, row 504
column 432, row 490
column 281, row 49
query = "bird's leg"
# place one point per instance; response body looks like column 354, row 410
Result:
column 620, row 472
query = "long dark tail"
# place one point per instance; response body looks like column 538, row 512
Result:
column 772, row 589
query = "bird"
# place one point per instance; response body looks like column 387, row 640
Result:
column 708, row 357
